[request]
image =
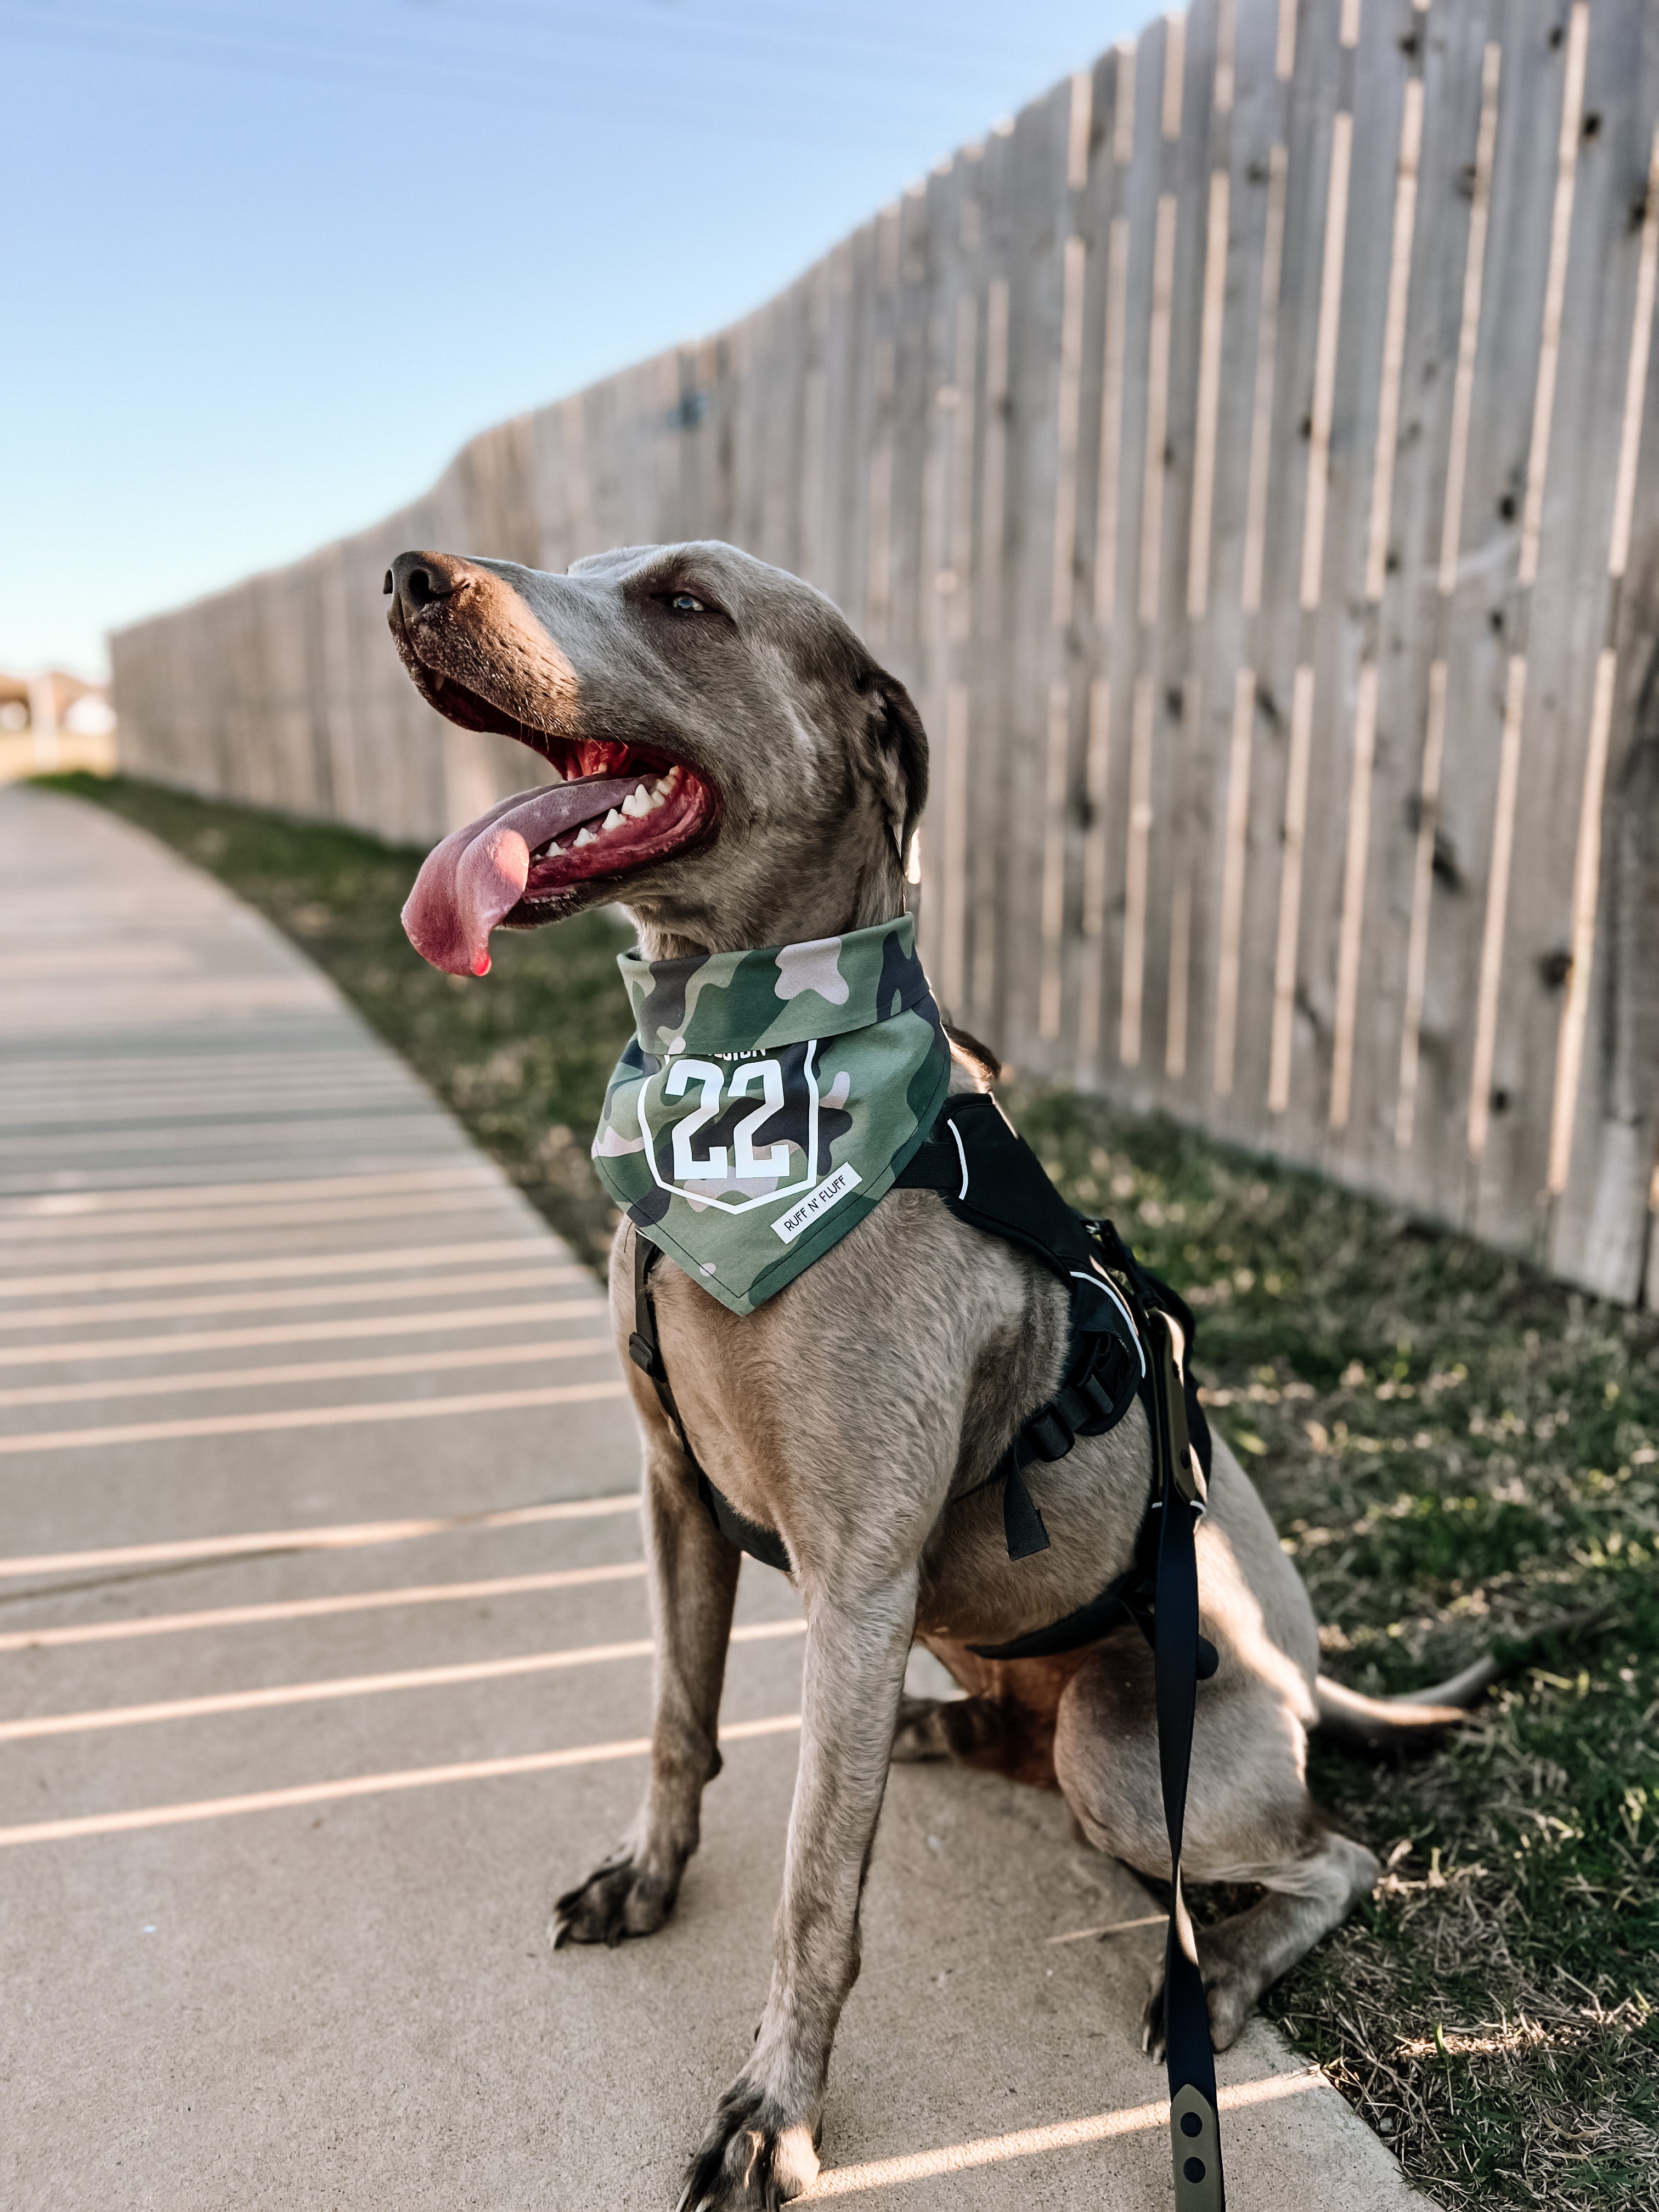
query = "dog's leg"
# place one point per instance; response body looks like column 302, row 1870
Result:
column 1249, row 1818
column 1307, row 1897
column 761, row 2149
column 995, row 1735
column 1005, row 1725
column 694, row 1580
column 978, row 1731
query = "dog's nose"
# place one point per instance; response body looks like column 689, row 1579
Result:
column 419, row 581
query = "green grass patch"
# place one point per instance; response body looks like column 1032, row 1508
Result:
column 1454, row 1450
column 1453, row 1447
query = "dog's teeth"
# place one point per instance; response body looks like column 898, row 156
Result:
column 660, row 787
column 612, row 820
column 636, row 803
column 437, row 682
column 657, row 799
column 551, row 846
column 585, row 837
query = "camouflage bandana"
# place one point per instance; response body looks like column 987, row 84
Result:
column 767, row 1100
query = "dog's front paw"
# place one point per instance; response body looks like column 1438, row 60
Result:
column 751, row 2159
column 620, row 1898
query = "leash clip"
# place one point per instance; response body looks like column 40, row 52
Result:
column 1196, row 2141
column 1184, row 1470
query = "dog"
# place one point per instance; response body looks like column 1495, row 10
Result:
column 741, row 773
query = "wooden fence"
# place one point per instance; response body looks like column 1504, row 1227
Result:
column 1241, row 457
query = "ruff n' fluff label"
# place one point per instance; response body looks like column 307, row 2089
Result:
column 816, row 1202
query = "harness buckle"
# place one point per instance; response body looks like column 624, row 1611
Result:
column 1098, row 1399
column 643, row 1353
column 1049, row 1434
column 1184, row 1470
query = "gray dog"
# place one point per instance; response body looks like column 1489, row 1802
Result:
column 741, row 774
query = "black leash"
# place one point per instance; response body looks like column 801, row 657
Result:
column 1194, row 2133
column 1002, row 1190
column 1129, row 1336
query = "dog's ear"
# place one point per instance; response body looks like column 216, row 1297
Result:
column 899, row 747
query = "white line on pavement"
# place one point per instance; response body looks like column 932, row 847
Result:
column 297, row 1125
column 309, row 1417
column 430, row 1362
column 337, row 1536
column 301, row 1331
column 234, row 1271
column 365, row 1785
column 499, row 1280
column 474, row 1173
column 357, row 1686
column 1029, row 2142
column 172, row 1227
column 314, row 1608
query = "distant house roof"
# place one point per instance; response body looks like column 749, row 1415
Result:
column 67, row 691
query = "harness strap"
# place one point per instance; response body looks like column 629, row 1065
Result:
column 1084, row 1406
column 644, row 1350
column 1087, row 1625
column 990, row 1178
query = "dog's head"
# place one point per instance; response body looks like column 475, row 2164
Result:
column 738, row 771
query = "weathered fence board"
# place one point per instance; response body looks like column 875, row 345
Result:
column 1241, row 457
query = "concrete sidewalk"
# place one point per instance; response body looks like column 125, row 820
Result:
column 323, row 1667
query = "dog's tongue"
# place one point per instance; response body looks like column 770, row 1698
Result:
column 478, row 874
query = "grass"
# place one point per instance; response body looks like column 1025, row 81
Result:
column 1454, row 1448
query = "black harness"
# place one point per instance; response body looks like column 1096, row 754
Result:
column 1129, row 1336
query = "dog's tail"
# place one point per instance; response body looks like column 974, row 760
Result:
column 1422, row 1716
column 1393, row 1723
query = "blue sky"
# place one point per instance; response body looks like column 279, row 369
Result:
column 268, row 268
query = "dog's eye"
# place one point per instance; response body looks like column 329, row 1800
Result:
column 684, row 604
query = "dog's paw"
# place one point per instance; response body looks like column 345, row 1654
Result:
column 750, row 2160
column 1229, row 1995
column 921, row 1731
column 618, row 1899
